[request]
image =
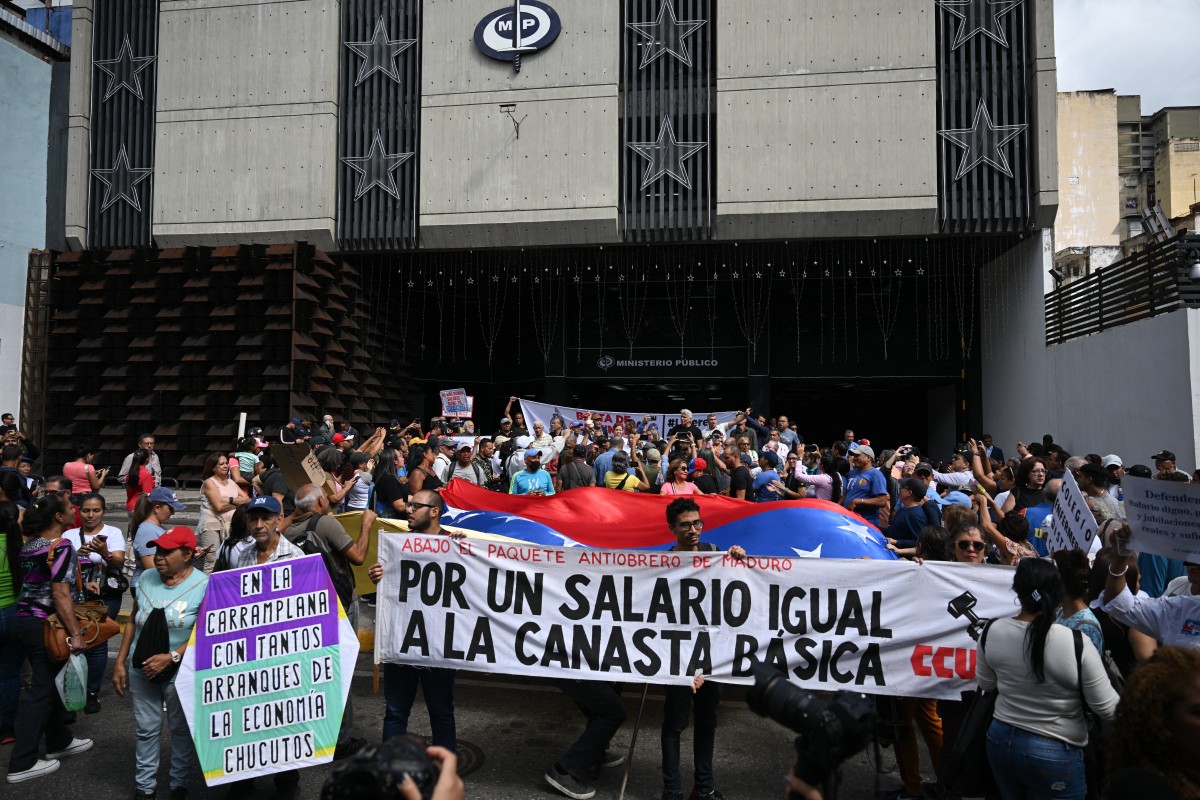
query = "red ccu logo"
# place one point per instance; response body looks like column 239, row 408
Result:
column 944, row 662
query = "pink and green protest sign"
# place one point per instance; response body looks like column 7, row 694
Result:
column 267, row 671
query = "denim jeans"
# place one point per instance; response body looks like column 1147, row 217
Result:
column 605, row 713
column 42, row 712
column 400, row 691
column 148, row 699
column 1029, row 766
column 11, row 658
column 675, row 719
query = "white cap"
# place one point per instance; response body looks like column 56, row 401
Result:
column 1112, row 461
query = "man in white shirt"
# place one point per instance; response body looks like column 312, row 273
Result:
column 1175, row 621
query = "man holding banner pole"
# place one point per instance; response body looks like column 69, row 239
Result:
column 683, row 517
column 400, row 681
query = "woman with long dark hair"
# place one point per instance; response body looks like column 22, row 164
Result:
column 48, row 566
column 827, row 484
column 83, row 476
column 388, row 492
column 139, row 480
column 10, row 589
column 420, row 469
column 1036, row 739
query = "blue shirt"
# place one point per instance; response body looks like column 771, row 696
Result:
column 603, row 464
column 865, row 484
column 762, row 483
column 525, row 482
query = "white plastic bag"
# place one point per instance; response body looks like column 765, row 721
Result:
column 71, row 683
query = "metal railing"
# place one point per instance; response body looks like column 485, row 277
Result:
column 1146, row 284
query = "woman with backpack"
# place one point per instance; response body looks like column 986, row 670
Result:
column 166, row 603
column 1045, row 677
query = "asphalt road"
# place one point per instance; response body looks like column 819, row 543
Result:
column 509, row 731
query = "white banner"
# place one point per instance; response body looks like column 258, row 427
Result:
column 1073, row 526
column 881, row 627
column 1164, row 517
column 616, row 419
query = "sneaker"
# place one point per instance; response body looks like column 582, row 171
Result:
column 612, row 758
column 935, row 791
column 713, row 795
column 93, row 704
column 40, row 767
column 567, row 784
column 138, row 794
column 669, row 795
column 349, row 748
column 74, row 748
column 7, row 735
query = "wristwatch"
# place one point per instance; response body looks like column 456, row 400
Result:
column 175, row 657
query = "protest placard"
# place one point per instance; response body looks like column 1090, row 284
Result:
column 611, row 420
column 1073, row 527
column 299, row 465
column 266, row 674
column 1164, row 517
column 456, row 403
column 880, row 627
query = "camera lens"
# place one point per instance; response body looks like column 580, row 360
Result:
column 376, row 772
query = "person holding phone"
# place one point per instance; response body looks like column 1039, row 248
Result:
column 101, row 548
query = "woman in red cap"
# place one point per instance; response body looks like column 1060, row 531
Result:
column 167, row 596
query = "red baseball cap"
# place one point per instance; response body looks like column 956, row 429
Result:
column 698, row 465
column 338, row 438
column 179, row 536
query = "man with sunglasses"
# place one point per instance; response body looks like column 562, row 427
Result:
column 683, row 517
column 400, row 681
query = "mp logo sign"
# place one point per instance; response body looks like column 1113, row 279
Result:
column 525, row 27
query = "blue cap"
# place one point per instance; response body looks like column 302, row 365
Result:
column 265, row 503
column 533, row 452
column 954, row 498
column 162, row 494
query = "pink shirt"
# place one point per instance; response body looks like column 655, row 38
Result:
column 822, row 483
column 78, row 473
column 674, row 488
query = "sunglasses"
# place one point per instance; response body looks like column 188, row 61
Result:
column 969, row 545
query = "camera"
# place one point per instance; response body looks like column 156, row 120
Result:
column 828, row 730
column 376, row 771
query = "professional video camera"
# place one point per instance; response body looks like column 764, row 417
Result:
column 376, row 772
column 828, row 731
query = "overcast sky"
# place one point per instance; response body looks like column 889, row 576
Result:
column 1146, row 47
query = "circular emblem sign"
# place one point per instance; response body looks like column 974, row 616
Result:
column 495, row 35
column 606, row 362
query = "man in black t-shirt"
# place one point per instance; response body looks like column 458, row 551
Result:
column 740, row 481
column 686, row 426
column 274, row 484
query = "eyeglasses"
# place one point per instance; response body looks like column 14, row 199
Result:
column 690, row 525
column 411, row 504
column 966, row 544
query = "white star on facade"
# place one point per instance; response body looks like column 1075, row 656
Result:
column 120, row 182
column 816, row 553
column 983, row 142
column 376, row 168
column 123, row 71
column 379, row 54
column 920, row 270
column 666, row 156
column 666, row 34
column 979, row 16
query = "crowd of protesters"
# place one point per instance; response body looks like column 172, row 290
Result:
column 1137, row 614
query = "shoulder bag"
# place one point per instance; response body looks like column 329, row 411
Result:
column 94, row 625
column 965, row 768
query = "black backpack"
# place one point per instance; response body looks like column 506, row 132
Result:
column 311, row 544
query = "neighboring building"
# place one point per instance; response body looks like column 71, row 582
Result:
column 1089, row 198
column 1135, row 165
column 1175, row 133
column 33, row 93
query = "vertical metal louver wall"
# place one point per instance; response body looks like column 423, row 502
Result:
column 985, row 61
column 668, row 119
column 121, row 137
column 379, row 126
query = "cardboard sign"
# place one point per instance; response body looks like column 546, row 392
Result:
column 880, row 627
column 456, row 403
column 299, row 466
column 1164, row 517
column 1073, row 525
column 264, row 681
